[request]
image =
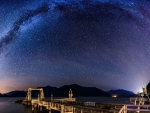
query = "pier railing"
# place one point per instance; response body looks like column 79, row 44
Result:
column 135, row 108
column 139, row 100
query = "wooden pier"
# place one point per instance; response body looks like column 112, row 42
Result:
column 70, row 105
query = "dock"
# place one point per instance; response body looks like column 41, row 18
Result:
column 70, row 105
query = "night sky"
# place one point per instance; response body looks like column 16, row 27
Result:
column 100, row 43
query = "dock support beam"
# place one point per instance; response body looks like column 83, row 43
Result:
column 74, row 110
column 138, row 109
column 40, row 108
column 49, row 110
column 35, row 106
column 32, row 108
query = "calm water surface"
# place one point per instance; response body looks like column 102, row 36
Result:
column 8, row 105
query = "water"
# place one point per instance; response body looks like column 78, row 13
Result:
column 8, row 105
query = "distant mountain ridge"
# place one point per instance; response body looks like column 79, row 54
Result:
column 78, row 91
column 14, row 92
column 121, row 93
column 3, row 95
column 81, row 91
column 17, row 94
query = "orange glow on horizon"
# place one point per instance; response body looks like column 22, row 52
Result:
column 114, row 96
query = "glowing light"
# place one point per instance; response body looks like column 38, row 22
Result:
column 114, row 96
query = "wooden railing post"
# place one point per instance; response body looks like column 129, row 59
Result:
column 138, row 109
column 125, row 108
column 62, row 109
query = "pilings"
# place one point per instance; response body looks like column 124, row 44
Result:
column 35, row 106
column 81, row 111
column 40, row 108
column 50, row 111
column 74, row 110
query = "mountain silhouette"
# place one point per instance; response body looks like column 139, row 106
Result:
column 78, row 91
column 121, row 93
column 3, row 95
column 17, row 93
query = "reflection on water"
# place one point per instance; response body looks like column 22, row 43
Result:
column 7, row 105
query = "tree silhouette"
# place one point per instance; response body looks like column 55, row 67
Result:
column 148, row 88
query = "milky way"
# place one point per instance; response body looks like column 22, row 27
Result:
column 101, row 43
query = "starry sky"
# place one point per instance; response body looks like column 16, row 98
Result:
column 96, row 43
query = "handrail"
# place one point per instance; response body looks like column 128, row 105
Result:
column 129, row 107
